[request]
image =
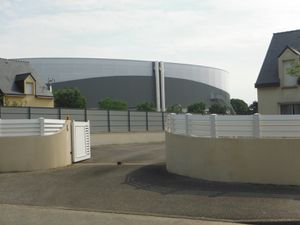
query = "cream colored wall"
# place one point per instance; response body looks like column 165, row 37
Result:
column 35, row 152
column 30, row 79
column 270, row 98
column 28, row 100
column 264, row 161
column 126, row 138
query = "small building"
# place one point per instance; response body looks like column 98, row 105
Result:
column 279, row 92
column 21, row 86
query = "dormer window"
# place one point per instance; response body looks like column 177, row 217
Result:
column 288, row 80
column 29, row 88
column 26, row 83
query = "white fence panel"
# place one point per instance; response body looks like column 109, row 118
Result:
column 252, row 126
column 53, row 126
column 29, row 127
column 200, row 126
column 234, row 126
column 179, row 124
column 280, row 126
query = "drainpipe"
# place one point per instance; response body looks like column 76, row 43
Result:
column 162, row 86
column 157, row 86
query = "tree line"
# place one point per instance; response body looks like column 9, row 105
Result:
column 72, row 98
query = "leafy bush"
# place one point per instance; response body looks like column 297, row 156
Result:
column 218, row 108
column 146, row 106
column 177, row 108
column 240, row 107
column 253, row 108
column 198, row 107
column 112, row 104
column 69, row 98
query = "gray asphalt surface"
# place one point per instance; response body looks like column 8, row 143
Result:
column 129, row 153
column 146, row 189
column 32, row 215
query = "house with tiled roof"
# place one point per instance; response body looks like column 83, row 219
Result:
column 20, row 85
column 279, row 92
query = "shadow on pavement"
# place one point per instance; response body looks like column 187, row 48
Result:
column 157, row 179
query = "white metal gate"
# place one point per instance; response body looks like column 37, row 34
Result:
column 81, row 141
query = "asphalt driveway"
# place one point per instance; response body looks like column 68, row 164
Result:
column 141, row 185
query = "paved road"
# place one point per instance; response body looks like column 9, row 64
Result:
column 146, row 189
column 129, row 153
column 28, row 215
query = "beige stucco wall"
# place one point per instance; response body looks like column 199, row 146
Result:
column 264, row 161
column 28, row 100
column 270, row 98
column 35, row 152
column 126, row 138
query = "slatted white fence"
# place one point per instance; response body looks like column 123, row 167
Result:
column 29, row 127
column 255, row 126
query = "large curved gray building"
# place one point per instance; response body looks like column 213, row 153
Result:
column 135, row 81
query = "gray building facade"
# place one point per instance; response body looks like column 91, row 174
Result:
column 136, row 81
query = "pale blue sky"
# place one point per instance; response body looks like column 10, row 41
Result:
column 229, row 34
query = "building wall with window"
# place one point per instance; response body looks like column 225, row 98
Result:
column 279, row 92
column 281, row 99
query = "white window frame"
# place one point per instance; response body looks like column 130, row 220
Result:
column 288, row 80
column 29, row 91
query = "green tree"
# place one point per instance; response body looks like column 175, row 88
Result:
column 294, row 70
column 240, row 107
column 253, row 108
column 112, row 104
column 146, row 106
column 218, row 108
column 198, row 107
column 69, row 98
column 177, row 108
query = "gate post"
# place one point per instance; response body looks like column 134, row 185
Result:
column 163, row 120
column 172, row 122
column 213, row 126
column 147, row 121
column 256, row 125
column 188, row 118
column 108, row 120
column 128, row 120
column 42, row 126
column 29, row 112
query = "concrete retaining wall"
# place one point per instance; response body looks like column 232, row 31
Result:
column 36, row 152
column 264, row 161
column 126, row 138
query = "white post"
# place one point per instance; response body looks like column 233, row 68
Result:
column 42, row 126
column 256, row 125
column 157, row 85
column 172, row 122
column 168, row 123
column 213, row 125
column 188, row 124
column 162, row 86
